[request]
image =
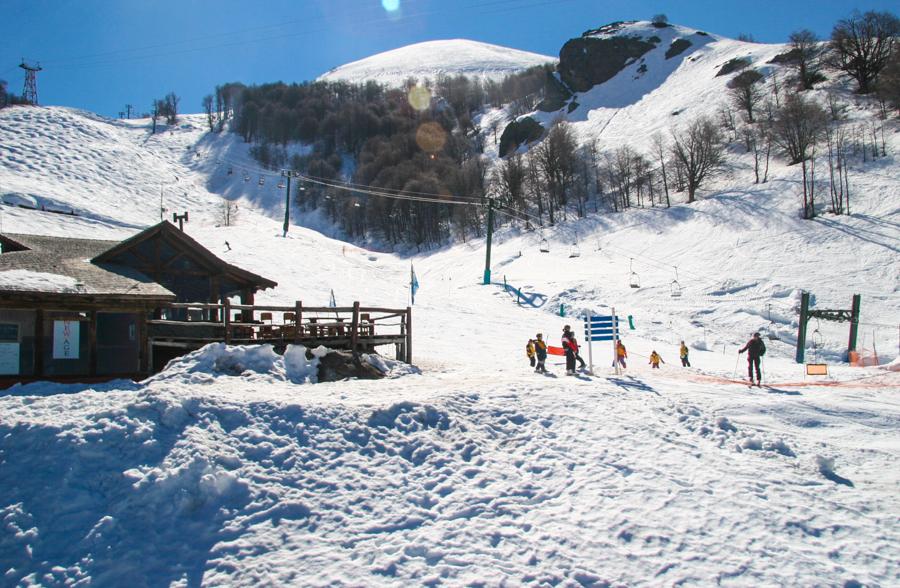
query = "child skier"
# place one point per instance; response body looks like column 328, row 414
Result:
column 529, row 351
column 582, row 364
column 621, row 354
column 655, row 359
column 540, row 349
column 683, row 353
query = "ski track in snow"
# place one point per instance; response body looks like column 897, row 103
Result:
column 476, row 471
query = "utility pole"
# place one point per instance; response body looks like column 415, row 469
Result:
column 286, row 173
column 128, row 109
column 490, row 234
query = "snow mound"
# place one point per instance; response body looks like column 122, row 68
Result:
column 257, row 362
column 262, row 363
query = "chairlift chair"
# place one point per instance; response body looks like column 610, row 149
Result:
column 545, row 246
column 246, row 177
column 633, row 281
column 230, row 170
column 281, row 184
column 575, row 251
column 675, row 286
column 262, row 180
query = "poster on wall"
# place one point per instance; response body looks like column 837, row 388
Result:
column 65, row 339
column 9, row 359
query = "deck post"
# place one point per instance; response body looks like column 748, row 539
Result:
column 408, row 335
column 247, row 298
column 298, row 319
column 227, row 321
column 354, row 327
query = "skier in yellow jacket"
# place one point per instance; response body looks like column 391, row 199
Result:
column 655, row 359
column 683, row 353
column 529, row 351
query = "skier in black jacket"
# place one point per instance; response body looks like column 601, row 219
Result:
column 755, row 349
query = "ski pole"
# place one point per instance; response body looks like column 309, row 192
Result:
column 736, row 361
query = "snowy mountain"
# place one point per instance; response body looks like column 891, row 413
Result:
column 476, row 470
column 432, row 59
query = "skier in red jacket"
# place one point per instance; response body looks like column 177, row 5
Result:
column 570, row 345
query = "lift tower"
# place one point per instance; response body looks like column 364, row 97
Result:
column 29, row 94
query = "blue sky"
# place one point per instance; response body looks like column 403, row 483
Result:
column 101, row 54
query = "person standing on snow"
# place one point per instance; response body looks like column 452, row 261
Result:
column 571, row 348
column 655, row 359
column 540, row 349
column 755, row 349
column 621, row 354
column 683, row 353
column 578, row 357
column 529, row 351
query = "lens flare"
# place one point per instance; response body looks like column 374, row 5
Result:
column 431, row 137
column 419, row 97
column 391, row 5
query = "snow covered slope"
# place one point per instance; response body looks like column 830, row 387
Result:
column 476, row 470
column 432, row 59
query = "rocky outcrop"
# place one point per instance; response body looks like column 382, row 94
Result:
column 587, row 61
column 519, row 132
column 733, row 65
column 341, row 365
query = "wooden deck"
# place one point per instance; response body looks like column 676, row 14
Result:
column 355, row 328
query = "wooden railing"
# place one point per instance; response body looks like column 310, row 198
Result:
column 354, row 327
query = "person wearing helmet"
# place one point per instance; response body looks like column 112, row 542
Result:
column 755, row 349
column 540, row 350
column 529, row 351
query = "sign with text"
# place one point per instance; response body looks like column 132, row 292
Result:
column 601, row 328
column 65, row 339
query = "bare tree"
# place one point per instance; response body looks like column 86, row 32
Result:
column 171, row 102
column 805, row 50
column 700, row 149
column 509, row 181
column 557, row 159
column 228, row 212
column 659, row 149
column 797, row 128
column 888, row 87
column 838, row 145
column 155, row 113
column 208, row 109
column 862, row 44
column 745, row 93
column 798, row 125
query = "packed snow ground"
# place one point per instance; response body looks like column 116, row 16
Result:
column 475, row 471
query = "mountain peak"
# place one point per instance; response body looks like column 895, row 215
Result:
column 432, row 59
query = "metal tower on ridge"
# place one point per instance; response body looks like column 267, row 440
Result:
column 30, row 91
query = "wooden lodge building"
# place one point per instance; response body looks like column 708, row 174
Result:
column 90, row 310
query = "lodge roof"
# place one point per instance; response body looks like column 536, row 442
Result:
column 62, row 265
column 42, row 264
